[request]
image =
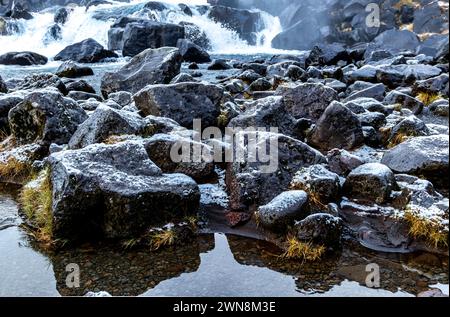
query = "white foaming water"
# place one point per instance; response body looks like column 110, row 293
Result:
column 81, row 25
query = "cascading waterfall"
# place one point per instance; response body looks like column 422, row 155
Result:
column 84, row 24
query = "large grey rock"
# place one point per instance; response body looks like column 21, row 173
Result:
column 7, row 102
column 23, row 59
column 394, row 41
column 86, row 51
column 191, row 52
column 254, row 182
column 431, row 18
column 434, row 85
column 103, row 123
column 375, row 91
column 139, row 36
column 267, row 112
column 342, row 162
column 423, row 156
column 307, row 100
column 406, row 101
column 283, row 210
column 70, row 69
column 317, row 180
column 152, row 66
column 182, row 102
column 338, row 127
column 321, row 228
column 244, row 22
column 46, row 117
column 160, row 146
column 114, row 191
column 370, row 182
column 41, row 81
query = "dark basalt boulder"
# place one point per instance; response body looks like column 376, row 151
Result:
column 103, row 123
column 338, row 127
column 61, row 16
column 88, row 203
column 192, row 53
column 327, row 54
column 266, row 112
column 3, row 87
column 160, row 146
column 321, row 228
column 23, row 59
column 7, row 102
column 394, row 41
column 431, row 18
column 307, row 100
column 406, row 101
column 425, row 156
column 54, row 33
column 283, row 210
column 317, row 180
column 182, row 102
column 83, row 96
column 46, row 117
column 244, row 22
column 87, row 51
column 138, row 37
column 18, row 12
column 41, row 81
column 152, row 66
column 370, row 182
column 70, row 69
column 434, row 85
column 255, row 182
column 196, row 35
column 79, row 85
column 219, row 64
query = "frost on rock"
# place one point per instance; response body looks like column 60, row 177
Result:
column 282, row 210
column 115, row 191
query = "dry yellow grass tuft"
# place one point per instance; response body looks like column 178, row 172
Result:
column 306, row 251
column 431, row 231
column 397, row 139
column 36, row 203
column 14, row 170
column 163, row 239
column 428, row 98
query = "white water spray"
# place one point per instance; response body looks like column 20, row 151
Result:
column 81, row 25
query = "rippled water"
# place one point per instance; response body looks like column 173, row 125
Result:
column 215, row 264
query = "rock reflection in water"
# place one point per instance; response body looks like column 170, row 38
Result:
column 124, row 272
column 220, row 274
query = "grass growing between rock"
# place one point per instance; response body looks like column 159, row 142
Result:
column 397, row 139
column 161, row 239
column 36, row 202
column 14, row 170
column 428, row 98
column 431, row 231
column 299, row 250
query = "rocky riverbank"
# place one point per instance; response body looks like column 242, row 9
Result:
column 362, row 139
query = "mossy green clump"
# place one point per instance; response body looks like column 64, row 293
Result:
column 305, row 251
column 430, row 230
column 36, row 200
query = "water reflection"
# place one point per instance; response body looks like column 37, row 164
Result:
column 219, row 274
column 213, row 265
